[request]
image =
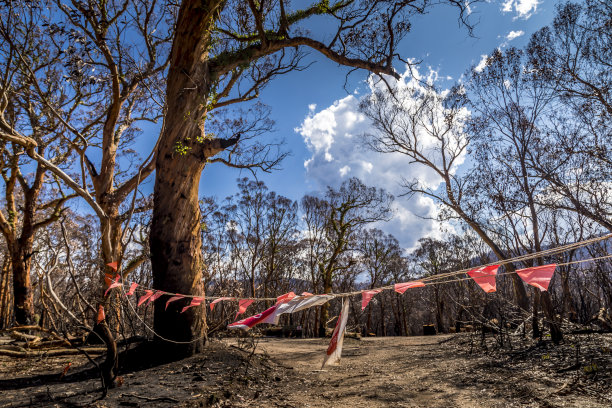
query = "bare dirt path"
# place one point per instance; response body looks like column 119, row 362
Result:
column 437, row 371
column 400, row 372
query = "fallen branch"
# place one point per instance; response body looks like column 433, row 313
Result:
column 50, row 343
column 169, row 399
column 49, row 353
column 29, row 338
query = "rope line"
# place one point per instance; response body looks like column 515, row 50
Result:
column 153, row 330
column 338, row 295
column 431, row 280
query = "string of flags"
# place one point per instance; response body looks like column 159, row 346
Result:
column 483, row 276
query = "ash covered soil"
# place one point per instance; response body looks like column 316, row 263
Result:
column 436, row 371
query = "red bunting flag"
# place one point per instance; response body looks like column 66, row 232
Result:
column 101, row 315
column 172, row 299
column 65, row 370
column 114, row 284
column 367, row 295
column 242, row 306
column 196, row 301
column 108, row 278
column 538, row 276
column 485, row 277
column 402, row 287
column 271, row 315
column 214, row 302
column 143, row 298
column 133, row 287
column 249, row 322
column 113, row 266
column 334, row 351
column 285, row 298
column 156, row 296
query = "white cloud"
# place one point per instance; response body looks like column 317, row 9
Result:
column 523, row 8
column 514, row 34
column 333, row 137
column 482, row 64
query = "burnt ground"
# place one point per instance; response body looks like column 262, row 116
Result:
column 436, row 371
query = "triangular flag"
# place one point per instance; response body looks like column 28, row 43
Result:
column 143, row 298
column 249, row 322
column 101, row 315
column 272, row 314
column 402, row 287
column 196, row 301
column 242, row 306
column 172, row 299
column 304, row 302
column 133, row 287
column 367, row 295
column 156, row 296
column 114, row 284
column 113, row 266
column 334, row 351
column 214, row 302
column 108, row 278
column 285, row 298
column 538, row 276
column 485, row 277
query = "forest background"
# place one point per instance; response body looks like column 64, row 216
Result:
column 511, row 157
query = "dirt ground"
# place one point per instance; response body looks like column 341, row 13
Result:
column 436, row 371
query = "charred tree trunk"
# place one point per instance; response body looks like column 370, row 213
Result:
column 21, row 253
column 556, row 334
column 369, row 322
column 183, row 150
column 535, row 326
column 439, row 311
column 111, row 252
column 404, row 316
column 382, row 316
column 6, row 304
column 568, row 300
column 176, row 251
column 327, row 288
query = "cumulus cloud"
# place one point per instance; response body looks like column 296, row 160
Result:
column 333, row 136
column 514, row 34
column 523, row 8
column 482, row 64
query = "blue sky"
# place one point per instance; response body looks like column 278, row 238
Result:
column 437, row 40
column 311, row 109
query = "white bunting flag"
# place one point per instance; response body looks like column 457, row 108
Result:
column 334, row 351
column 295, row 305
